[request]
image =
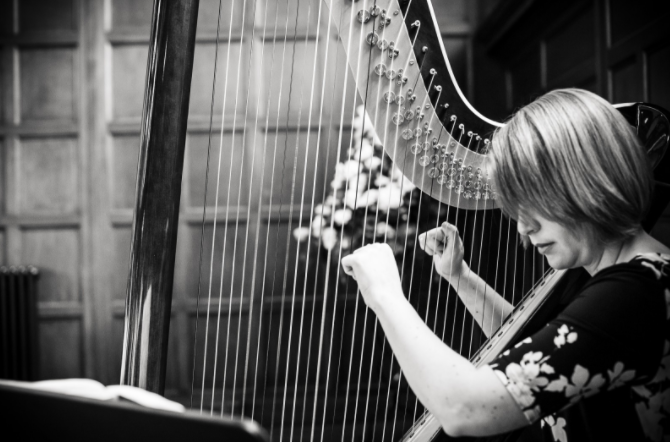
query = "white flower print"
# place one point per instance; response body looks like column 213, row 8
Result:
column 581, row 386
column 523, row 379
column 565, row 335
column 557, row 427
column 618, row 376
column 525, row 341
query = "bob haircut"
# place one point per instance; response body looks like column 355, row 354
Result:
column 572, row 158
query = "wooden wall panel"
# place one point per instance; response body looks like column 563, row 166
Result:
column 69, row 134
column 6, row 15
column 293, row 74
column 340, row 98
column 119, row 262
column 3, row 174
column 128, row 67
column 130, row 16
column 231, row 55
column 231, row 18
column 659, row 75
column 289, row 152
column 2, row 247
column 48, row 79
column 571, row 45
column 56, row 253
column 47, row 15
column 628, row 18
column 525, row 78
column 125, row 151
column 231, row 259
column 60, row 349
column 626, row 84
column 287, row 15
column 47, row 178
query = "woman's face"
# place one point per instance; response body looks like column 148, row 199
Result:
column 564, row 248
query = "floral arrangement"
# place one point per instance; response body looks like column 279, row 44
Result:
column 370, row 199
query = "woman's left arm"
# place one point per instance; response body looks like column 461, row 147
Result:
column 465, row 399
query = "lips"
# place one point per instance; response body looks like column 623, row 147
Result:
column 542, row 248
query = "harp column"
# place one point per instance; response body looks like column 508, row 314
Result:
column 154, row 235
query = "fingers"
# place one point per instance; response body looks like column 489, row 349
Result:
column 348, row 265
column 435, row 240
column 351, row 264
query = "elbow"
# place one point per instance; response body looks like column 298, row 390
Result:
column 454, row 421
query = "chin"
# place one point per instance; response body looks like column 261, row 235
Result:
column 556, row 263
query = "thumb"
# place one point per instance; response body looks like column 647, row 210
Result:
column 348, row 265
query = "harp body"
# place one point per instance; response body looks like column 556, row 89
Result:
column 427, row 129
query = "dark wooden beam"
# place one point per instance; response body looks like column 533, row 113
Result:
column 154, row 237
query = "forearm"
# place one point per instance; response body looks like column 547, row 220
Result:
column 465, row 399
column 487, row 306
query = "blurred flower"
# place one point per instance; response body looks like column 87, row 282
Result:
column 390, row 197
column 364, row 182
column 301, row 233
column 329, row 238
column 342, row 216
column 373, row 163
column 347, row 170
column 382, row 180
column 384, row 229
column 358, row 183
column 317, row 224
column 322, row 209
column 365, row 152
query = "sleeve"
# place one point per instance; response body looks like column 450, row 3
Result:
column 610, row 335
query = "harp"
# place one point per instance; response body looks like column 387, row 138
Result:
column 292, row 346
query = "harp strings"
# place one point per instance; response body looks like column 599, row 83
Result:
column 325, row 349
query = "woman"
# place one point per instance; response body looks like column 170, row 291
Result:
column 573, row 174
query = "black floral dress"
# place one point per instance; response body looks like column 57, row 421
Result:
column 615, row 333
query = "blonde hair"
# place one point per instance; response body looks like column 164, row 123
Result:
column 571, row 157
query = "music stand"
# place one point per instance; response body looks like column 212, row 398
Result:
column 45, row 416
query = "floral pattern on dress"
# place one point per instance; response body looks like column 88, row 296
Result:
column 541, row 380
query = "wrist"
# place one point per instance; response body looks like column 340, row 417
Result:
column 454, row 276
column 388, row 300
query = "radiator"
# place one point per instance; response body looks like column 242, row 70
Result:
column 18, row 323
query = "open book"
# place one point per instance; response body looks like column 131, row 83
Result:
column 88, row 388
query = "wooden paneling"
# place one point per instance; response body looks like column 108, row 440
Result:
column 659, row 73
column 48, row 79
column 289, row 17
column 119, row 263
column 60, row 354
column 130, row 16
column 291, row 81
column 526, row 78
column 71, row 88
column 571, row 45
column 47, row 178
column 228, row 82
column 291, row 159
column 231, row 18
column 626, row 84
column 55, row 252
column 128, row 66
column 47, row 15
column 2, row 247
column 629, row 18
column 124, row 155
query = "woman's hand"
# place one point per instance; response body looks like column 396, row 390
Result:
column 445, row 246
column 375, row 270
